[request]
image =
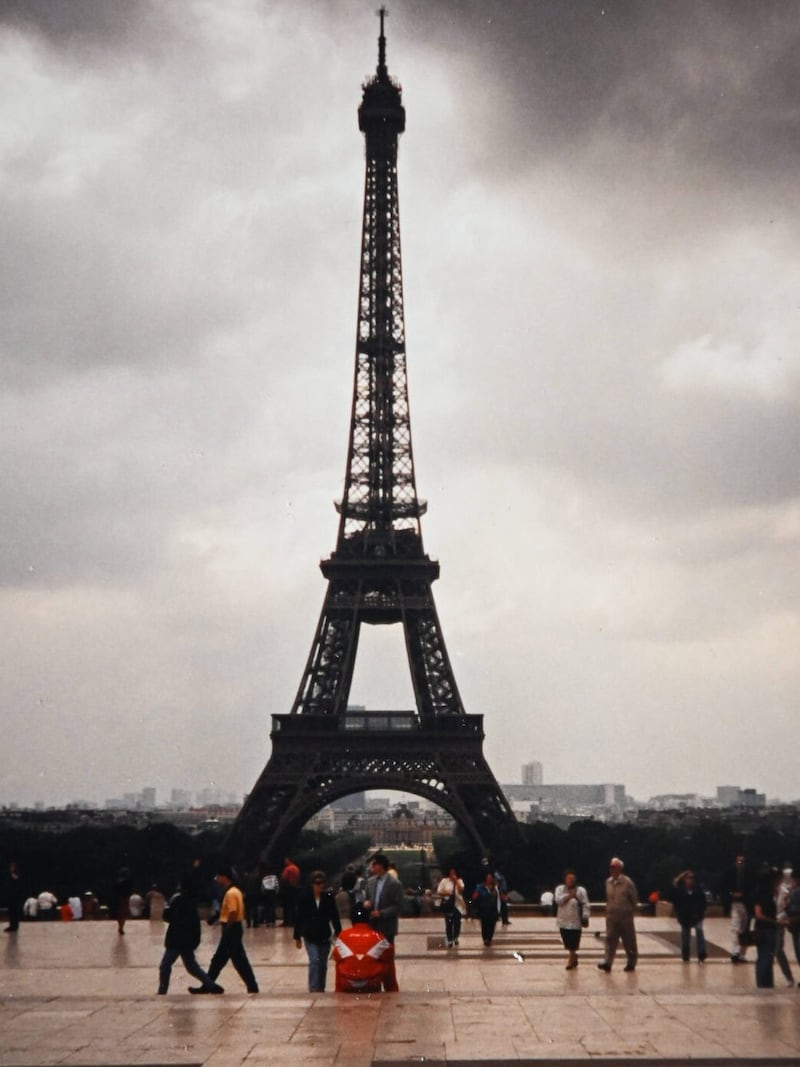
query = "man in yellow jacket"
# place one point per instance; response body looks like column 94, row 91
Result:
column 231, row 918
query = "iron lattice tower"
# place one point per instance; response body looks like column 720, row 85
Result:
column 378, row 574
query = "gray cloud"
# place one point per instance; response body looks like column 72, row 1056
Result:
column 599, row 237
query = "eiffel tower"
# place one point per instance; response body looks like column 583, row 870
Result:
column 378, row 575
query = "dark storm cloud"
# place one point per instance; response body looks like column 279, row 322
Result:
column 711, row 82
column 94, row 24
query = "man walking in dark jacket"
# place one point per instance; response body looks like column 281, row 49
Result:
column 182, row 938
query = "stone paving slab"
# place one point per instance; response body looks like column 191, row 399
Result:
column 78, row 994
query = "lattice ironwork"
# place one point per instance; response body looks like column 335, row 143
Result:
column 378, row 574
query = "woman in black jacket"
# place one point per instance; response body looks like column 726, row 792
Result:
column 316, row 916
column 182, row 938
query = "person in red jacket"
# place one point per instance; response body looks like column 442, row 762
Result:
column 290, row 884
column 364, row 959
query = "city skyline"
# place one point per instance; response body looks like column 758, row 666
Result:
column 181, row 797
column 599, row 246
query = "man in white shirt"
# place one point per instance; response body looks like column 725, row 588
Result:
column 47, row 905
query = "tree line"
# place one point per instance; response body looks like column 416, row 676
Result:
column 85, row 859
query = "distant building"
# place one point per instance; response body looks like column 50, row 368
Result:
column 581, row 800
column 677, row 801
column 733, row 796
column 353, row 802
column 532, row 773
column 180, row 799
column 213, row 796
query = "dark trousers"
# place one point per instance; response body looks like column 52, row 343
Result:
column 231, row 948
column 452, row 925
column 488, row 923
column 252, row 908
column 187, row 957
column 765, row 956
column 268, row 902
column 289, row 898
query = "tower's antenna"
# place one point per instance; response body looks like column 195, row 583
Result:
column 382, row 71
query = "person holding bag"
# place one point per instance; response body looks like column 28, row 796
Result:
column 450, row 892
column 572, row 915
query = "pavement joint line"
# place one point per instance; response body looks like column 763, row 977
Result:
column 604, row 1061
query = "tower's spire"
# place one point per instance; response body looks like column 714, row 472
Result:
column 382, row 71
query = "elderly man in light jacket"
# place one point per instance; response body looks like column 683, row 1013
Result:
column 622, row 900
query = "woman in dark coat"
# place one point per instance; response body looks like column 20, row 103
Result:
column 486, row 899
column 182, row 938
column 316, row 920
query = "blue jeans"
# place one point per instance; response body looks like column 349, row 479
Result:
column 780, row 954
column 686, row 937
column 318, row 952
column 189, row 962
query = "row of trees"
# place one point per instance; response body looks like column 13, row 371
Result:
column 89, row 858
column 85, row 859
column 652, row 855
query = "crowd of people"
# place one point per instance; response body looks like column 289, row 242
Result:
column 357, row 924
column 124, row 903
column 764, row 907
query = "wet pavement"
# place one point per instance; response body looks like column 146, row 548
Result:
column 79, row 994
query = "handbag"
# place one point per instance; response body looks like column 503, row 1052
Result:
column 584, row 914
column 448, row 903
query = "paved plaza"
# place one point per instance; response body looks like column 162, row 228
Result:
column 79, row 994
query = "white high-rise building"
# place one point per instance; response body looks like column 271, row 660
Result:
column 532, row 773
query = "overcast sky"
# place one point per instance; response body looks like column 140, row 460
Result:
column 599, row 216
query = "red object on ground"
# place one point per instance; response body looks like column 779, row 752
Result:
column 364, row 961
